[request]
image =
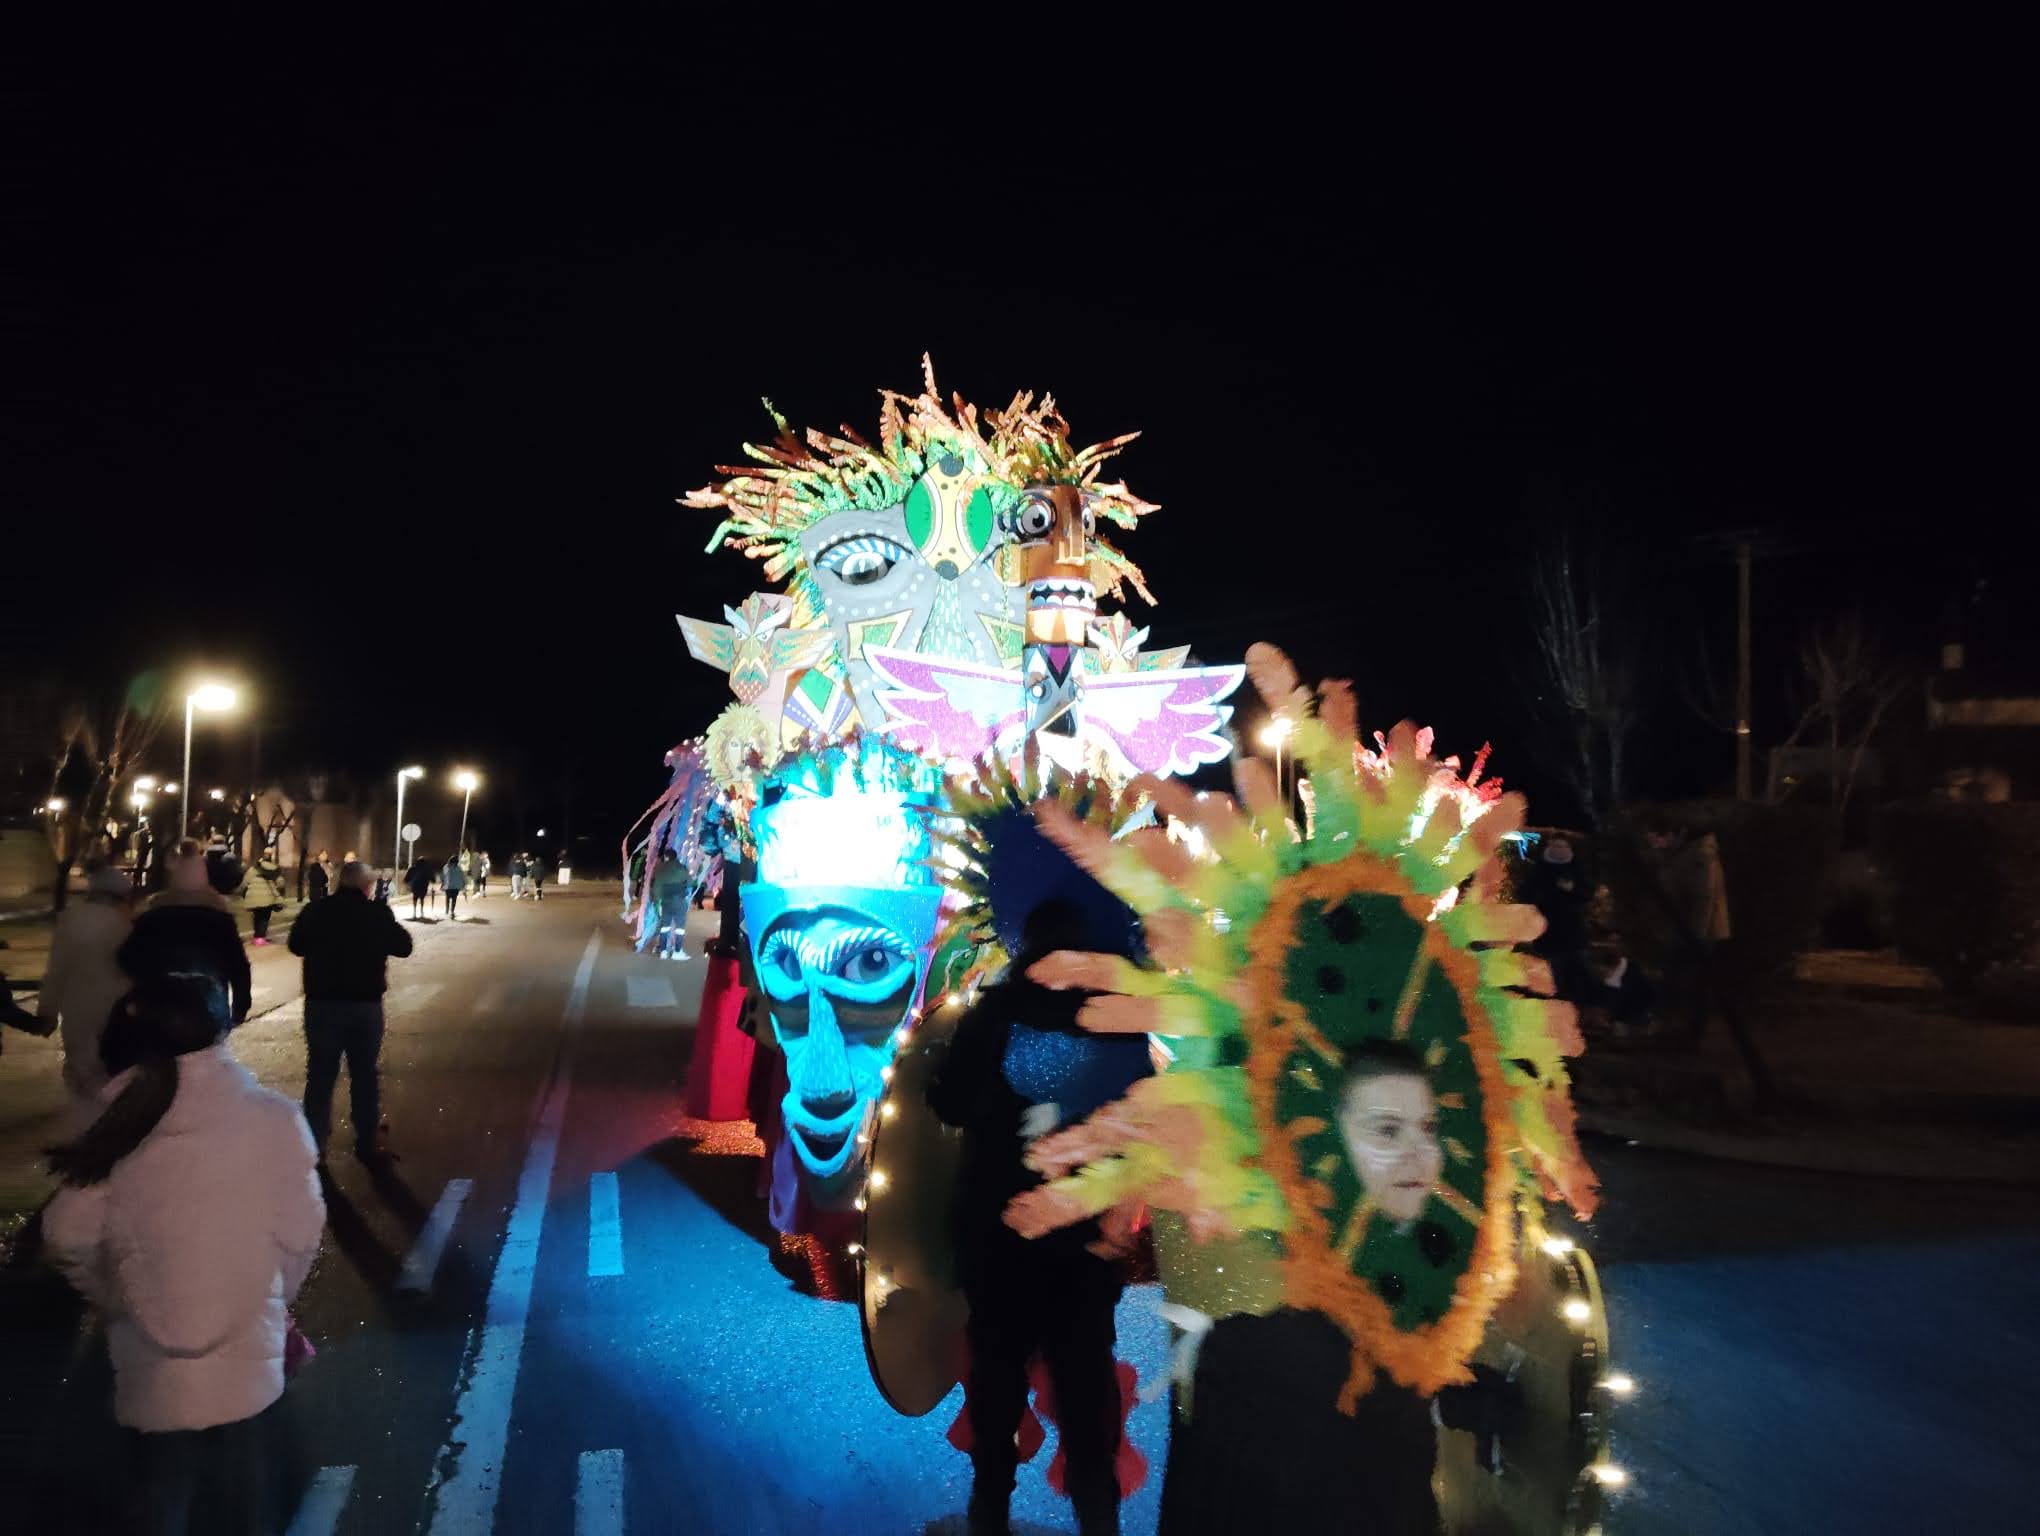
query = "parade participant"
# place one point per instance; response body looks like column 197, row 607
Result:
column 1368, row 1093
column 345, row 943
column 671, row 884
column 189, row 1214
column 1055, row 1295
column 187, row 930
column 83, row 980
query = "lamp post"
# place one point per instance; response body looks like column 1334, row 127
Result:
column 397, row 847
column 1274, row 734
column 465, row 781
column 212, row 698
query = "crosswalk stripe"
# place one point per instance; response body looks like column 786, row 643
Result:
column 605, row 1226
column 324, row 1502
column 598, row 1494
column 422, row 1263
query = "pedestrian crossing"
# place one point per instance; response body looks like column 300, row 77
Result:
column 598, row 1498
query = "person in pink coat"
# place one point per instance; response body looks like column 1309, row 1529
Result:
column 189, row 1215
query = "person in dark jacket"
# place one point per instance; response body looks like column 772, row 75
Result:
column 1054, row 1294
column 418, row 879
column 188, row 931
column 319, row 878
column 346, row 942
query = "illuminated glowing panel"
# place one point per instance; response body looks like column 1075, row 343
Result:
column 848, row 838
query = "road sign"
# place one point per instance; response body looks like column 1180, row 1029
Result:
column 412, row 832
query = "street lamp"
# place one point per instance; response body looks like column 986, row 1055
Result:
column 465, row 781
column 216, row 794
column 212, row 698
column 56, row 805
column 1274, row 734
column 397, row 852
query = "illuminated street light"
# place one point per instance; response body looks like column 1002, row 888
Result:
column 216, row 794
column 148, row 782
column 212, row 698
column 56, row 805
column 465, row 781
column 403, row 774
column 139, row 799
column 171, row 789
column 1273, row 735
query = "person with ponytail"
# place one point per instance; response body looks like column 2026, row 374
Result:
column 189, row 1215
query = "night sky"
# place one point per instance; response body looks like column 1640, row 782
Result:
column 370, row 369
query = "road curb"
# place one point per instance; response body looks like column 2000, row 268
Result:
column 1951, row 1165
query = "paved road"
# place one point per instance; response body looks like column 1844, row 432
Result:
column 602, row 1344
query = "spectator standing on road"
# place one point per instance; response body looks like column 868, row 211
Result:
column 481, row 875
column 670, row 887
column 418, row 878
column 84, row 981
column 346, row 944
column 319, row 878
column 189, row 1215
column 186, row 931
column 262, row 895
column 520, row 871
column 536, row 876
column 452, row 881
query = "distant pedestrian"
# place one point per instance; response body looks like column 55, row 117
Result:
column 452, row 881
column 189, row 1214
column 536, row 877
column 83, row 981
column 346, row 944
column 319, row 878
column 520, row 871
column 481, row 875
column 186, row 930
column 262, row 895
column 671, row 885
column 418, row 879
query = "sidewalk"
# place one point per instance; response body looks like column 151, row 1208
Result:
column 1879, row 1071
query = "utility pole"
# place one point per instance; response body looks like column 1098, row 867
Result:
column 1742, row 670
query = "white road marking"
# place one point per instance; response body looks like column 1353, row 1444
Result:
column 605, row 1227
column 423, row 1260
column 465, row 1497
column 648, row 991
column 324, row 1502
column 598, row 1494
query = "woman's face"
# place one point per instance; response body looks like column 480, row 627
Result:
column 1391, row 1128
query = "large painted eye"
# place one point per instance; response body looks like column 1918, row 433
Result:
column 862, row 560
column 782, row 956
column 870, row 964
column 1090, row 517
column 1034, row 519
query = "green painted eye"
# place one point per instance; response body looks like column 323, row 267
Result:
column 979, row 519
column 920, row 514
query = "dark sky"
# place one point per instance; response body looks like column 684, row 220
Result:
column 371, row 368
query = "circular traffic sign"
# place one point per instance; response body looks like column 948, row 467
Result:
column 412, row 831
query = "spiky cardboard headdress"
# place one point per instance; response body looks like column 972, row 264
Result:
column 801, row 477
column 1279, row 959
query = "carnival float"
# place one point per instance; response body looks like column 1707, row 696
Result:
column 939, row 714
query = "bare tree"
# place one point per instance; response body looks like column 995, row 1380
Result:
column 1589, row 667
column 99, row 747
column 1847, row 686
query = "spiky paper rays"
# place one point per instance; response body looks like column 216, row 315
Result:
column 800, row 477
column 1277, row 958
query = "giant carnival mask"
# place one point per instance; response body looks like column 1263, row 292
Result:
column 758, row 647
column 840, row 923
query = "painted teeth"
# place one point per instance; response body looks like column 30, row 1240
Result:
column 1062, row 594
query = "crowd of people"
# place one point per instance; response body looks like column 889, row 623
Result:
column 196, row 1291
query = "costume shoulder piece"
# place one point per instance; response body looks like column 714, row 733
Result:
column 1284, row 965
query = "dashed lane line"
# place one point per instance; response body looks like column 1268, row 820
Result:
column 605, row 1227
column 598, row 1494
column 422, row 1263
column 325, row 1501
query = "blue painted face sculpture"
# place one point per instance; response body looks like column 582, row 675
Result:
column 841, row 921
